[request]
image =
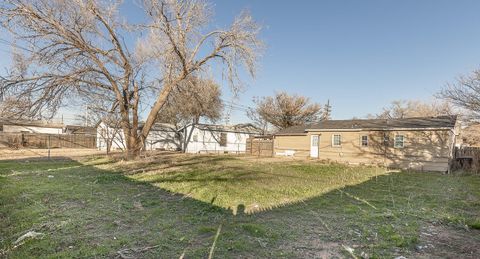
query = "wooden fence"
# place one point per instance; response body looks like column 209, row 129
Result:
column 40, row 140
column 466, row 158
column 260, row 147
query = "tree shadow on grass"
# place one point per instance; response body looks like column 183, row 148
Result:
column 85, row 211
column 174, row 161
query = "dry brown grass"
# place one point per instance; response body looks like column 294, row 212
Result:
column 33, row 153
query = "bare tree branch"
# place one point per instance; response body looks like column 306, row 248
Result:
column 283, row 110
column 412, row 108
column 75, row 49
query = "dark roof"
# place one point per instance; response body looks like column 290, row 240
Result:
column 238, row 128
column 157, row 126
column 294, row 130
column 375, row 124
column 80, row 129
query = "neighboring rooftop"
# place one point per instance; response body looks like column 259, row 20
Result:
column 80, row 129
column 35, row 123
column 238, row 128
column 440, row 122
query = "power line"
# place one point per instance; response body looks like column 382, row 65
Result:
column 235, row 108
column 235, row 105
column 11, row 44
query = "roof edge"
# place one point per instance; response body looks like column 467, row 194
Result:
column 378, row 129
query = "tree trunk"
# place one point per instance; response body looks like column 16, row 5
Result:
column 109, row 145
column 134, row 144
column 161, row 100
column 188, row 137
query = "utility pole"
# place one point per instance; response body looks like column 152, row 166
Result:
column 327, row 111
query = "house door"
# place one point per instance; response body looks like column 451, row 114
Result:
column 314, row 146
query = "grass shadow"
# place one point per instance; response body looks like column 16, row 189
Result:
column 87, row 211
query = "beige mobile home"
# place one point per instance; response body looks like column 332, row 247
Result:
column 424, row 144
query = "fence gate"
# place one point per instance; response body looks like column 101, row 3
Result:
column 260, row 147
column 466, row 158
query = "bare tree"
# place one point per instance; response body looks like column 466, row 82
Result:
column 470, row 135
column 177, row 30
column 413, row 108
column 464, row 93
column 77, row 48
column 183, row 107
column 284, row 110
column 257, row 120
column 14, row 109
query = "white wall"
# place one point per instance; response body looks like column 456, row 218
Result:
column 105, row 133
column 208, row 142
column 156, row 139
column 32, row 129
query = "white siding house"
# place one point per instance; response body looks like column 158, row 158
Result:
column 206, row 138
column 111, row 134
column 31, row 127
column 161, row 137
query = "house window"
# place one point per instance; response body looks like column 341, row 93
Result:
column 399, row 141
column 364, row 141
column 223, row 139
column 336, row 140
column 195, row 138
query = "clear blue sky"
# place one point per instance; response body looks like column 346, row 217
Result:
column 362, row 54
column 359, row 54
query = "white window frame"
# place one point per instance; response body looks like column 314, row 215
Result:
column 333, row 140
column 361, row 141
column 395, row 141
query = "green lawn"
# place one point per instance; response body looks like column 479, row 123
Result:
column 169, row 206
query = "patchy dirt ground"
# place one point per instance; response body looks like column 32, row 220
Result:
column 444, row 241
column 435, row 241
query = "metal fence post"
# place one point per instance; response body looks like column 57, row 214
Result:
column 48, row 147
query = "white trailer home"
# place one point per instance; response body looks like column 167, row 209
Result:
column 161, row 137
column 110, row 135
column 206, row 138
